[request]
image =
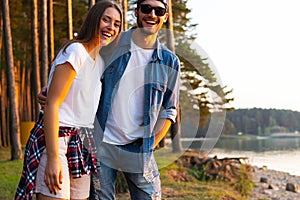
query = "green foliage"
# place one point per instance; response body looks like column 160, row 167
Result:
column 228, row 128
column 243, row 183
column 121, row 184
column 198, row 187
column 197, row 72
column 196, row 69
column 20, row 13
column 80, row 8
column 201, row 173
column 259, row 121
column 184, row 29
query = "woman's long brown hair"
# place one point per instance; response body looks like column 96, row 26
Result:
column 91, row 25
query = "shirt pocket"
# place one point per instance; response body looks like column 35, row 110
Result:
column 158, row 91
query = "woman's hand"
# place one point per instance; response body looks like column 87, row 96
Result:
column 53, row 174
column 62, row 79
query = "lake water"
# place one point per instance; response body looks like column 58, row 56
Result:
column 282, row 154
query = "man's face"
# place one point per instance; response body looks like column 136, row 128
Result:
column 148, row 16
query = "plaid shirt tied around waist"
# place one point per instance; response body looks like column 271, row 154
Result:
column 81, row 155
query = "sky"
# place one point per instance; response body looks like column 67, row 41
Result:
column 254, row 45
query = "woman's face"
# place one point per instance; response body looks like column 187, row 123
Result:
column 109, row 25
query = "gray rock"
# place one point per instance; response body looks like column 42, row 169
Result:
column 264, row 180
column 293, row 187
column 273, row 187
column 277, row 181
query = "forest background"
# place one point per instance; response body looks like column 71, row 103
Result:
column 31, row 32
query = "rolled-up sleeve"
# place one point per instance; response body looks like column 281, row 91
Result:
column 171, row 96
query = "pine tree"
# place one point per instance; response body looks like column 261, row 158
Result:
column 14, row 125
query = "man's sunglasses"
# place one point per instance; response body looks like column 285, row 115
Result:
column 159, row 11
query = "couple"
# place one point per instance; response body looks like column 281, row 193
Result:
column 140, row 89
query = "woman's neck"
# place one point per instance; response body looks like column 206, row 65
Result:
column 92, row 48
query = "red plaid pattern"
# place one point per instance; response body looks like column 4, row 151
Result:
column 81, row 160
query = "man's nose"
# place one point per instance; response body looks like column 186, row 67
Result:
column 152, row 13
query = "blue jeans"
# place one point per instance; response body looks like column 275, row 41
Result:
column 128, row 160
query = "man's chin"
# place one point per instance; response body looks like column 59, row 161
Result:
column 148, row 30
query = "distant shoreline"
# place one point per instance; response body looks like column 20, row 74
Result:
column 245, row 136
column 285, row 135
column 272, row 159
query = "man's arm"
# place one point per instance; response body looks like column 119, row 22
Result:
column 42, row 96
column 171, row 101
column 161, row 128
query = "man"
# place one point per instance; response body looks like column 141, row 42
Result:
column 140, row 94
column 137, row 105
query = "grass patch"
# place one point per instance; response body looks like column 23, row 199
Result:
column 195, row 189
column 10, row 173
column 177, row 183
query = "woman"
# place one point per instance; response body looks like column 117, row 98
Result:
column 60, row 154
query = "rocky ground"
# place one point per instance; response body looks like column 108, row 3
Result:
column 271, row 184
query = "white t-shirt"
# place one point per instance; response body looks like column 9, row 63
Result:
column 125, row 120
column 80, row 105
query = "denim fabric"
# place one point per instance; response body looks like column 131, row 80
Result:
column 162, row 77
column 124, row 158
column 161, row 98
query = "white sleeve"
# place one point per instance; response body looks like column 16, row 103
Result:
column 74, row 54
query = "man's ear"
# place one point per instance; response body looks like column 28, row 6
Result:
column 166, row 17
column 135, row 12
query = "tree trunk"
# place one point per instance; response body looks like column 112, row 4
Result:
column 91, row 3
column 44, row 43
column 175, row 131
column 170, row 31
column 70, row 19
column 17, row 73
column 16, row 150
column 124, row 8
column 35, row 55
column 4, row 111
column 175, row 128
column 29, row 102
column 24, row 112
column 51, row 30
column 2, row 93
column 123, row 5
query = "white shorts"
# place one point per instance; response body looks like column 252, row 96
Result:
column 78, row 188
